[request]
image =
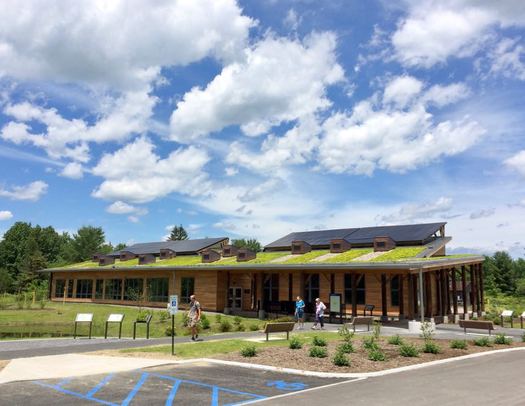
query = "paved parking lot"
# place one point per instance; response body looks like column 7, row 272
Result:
column 197, row 384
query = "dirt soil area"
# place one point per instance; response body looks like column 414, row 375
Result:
column 299, row 359
column 3, row 364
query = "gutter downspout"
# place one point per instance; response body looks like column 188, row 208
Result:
column 421, row 301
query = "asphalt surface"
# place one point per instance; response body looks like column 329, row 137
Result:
column 196, row 384
column 489, row 380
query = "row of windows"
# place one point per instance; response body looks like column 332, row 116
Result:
column 133, row 289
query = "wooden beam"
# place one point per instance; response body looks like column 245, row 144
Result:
column 384, row 301
column 454, row 291
column 401, row 297
column 478, row 290
column 464, row 288
column 428, row 295
column 481, row 287
column 411, row 297
column 444, row 292
column 354, row 294
column 472, row 288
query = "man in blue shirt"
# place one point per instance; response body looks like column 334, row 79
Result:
column 299, row 312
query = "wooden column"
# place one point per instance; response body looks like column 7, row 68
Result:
column 464, row 288
column 384, row 302
column 472, row 288
column 428, row 295
column 454, row 292
column 401, row 297
column 444, row 292
column 354, row 295
column 332, row 283
column 481, row 287
column 411, row 298
column 447, row 282
column 414, row 294
column 478, row 290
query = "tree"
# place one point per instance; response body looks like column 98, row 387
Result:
column 13, row 247
column 178, row 233
column 87, row 241
column 120, row 246
column 32, row 262
column 6, row 281
column 250, row 243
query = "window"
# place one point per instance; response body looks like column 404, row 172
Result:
column 394, row 290
column 99, row 289
column 158, row 289
column 311, row 288
column 336, row 246
column 70, row 288
column 84, row 288
column 113, row 289
column 187, row 286
column 271, row 288
column 296, row 248
column 133, row 289
column 381, row 244
column 60, row 284
column 360, row 291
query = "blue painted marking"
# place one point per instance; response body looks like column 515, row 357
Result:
column 287, row 386
column 64, row 382
column 100, row 385
column 215, row 396
column 134, row 391
column 173, row 392
column 75, row 394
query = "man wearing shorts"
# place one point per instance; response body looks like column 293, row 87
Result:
column 194, row 315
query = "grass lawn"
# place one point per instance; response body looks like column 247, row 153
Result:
column 211, row 348
column 349, row 255
column 305, row 258
column 57, row 319
column 399, row 254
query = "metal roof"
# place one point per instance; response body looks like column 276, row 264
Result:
column 365, row 235
column 180, row 247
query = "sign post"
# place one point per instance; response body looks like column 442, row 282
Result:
column 173, row 308
column 335, row 305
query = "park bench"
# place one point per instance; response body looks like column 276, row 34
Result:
column 83, row 318
column 476, row 324
column 284, row 327
column 361, row 321
column 145, row 321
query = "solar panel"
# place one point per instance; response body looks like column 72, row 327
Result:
column 182, row 246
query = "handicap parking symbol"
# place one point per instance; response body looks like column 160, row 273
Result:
column 287, row 386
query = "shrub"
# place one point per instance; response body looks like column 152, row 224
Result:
column 430, row 347
column 254, row 327
column 295, row 343
column 318, row 352
column 345, row 347
column 185, row 320
column 427, row 330
column 395, row 340
column 458, row 344
column 483, row 342
column 168, row 331
column 408, row 350
column 42, row 303
column 205, row 322
column 20, row 299
column 319, row 342
column 142, row 314
column 237, row 320
column 240, row 327
column 163, row 316
column 523, row 338
column 345, row 333
column 218, row 318
column 501, row 339
column 283, row 319
column 225, row 326
column 249, row 351
column 376, row 355
column 369, row 343
column 341, row 360
column 376, row 330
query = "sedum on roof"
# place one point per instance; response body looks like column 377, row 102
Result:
column 355, row 255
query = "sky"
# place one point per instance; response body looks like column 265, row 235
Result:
column 258, row 118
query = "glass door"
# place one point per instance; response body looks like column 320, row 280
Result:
column 235, row 298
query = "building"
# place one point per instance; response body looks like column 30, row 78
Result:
column 401, row 271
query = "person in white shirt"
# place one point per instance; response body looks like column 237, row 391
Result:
column 319, row 315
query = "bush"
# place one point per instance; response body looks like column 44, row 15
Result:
column 237, row 320
column 142, row 314
column 341, row 360
column 376, row 330
column 483, row 342
column 318, row 352
column 205, row 322
column 319, row 342
column 295, row 343
column 218, row 318
column 346, row 347
column 501, row 339
column 523, row 338
column 376, row 355
column 168, row 331
column 185, row 320
column 458, row 344
column 254, row 327
column 345, row 333
column 240, row 327
column 408, row 350
column 427, row 330
column 42, row 303
column 369, row 343
column 249, row 351
column 395, row 340
column 430, row 347
column 163, row 316
column 225, row 326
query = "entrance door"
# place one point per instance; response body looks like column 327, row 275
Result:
column 235, row 298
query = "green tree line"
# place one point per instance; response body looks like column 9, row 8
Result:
column 504, row 275
column 26, row 249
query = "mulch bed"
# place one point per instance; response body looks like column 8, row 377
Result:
column 284, row 357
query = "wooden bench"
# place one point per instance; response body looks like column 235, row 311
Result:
column 284, row 327
column 361, row 321
column 476, row 324
column 145, row 321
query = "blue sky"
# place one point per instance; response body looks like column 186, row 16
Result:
column 257, row 118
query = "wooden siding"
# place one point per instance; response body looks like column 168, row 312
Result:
column 383, row 244
column 300, row 247
column 339, row 245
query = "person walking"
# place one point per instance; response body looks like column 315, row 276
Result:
column 194, row 315
column 299, row 312
column 319, row 315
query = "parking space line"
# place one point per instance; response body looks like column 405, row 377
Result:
column 75, row 394
column 134, row 391
column 173, row 392
column 100, row 385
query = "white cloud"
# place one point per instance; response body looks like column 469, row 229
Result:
column 230, row 171
column 292, row 20
column 402, row 90
column 482, row 213
column 259, row 92
column 440, row 96
column 120, row 207
column 379, row 135
column 73, row 170
column 5, row 215
column 32, row 192
column 118, row 43
column 435, row 30
column 517, row 162
column 136, row 174
column 419, row 211
column 508, row 59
